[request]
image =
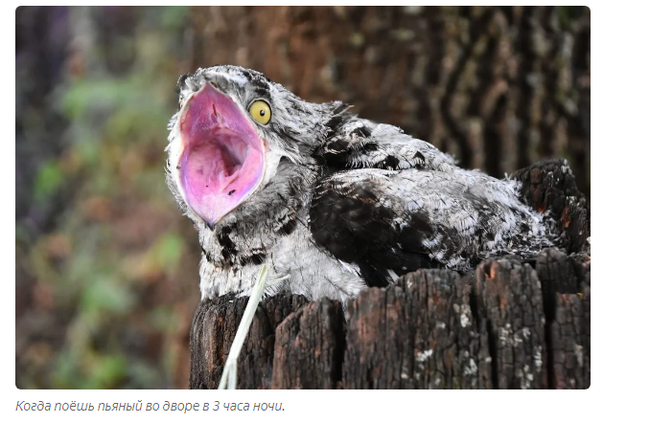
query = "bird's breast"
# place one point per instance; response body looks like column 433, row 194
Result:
column 301, row 266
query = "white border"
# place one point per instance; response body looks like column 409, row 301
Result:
column 619, row 146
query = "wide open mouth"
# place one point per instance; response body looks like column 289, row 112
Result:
column 223, row 156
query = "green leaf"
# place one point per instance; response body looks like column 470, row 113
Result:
column 50, row 177
column 108, row 371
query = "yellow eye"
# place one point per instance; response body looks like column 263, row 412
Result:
column 260, row 111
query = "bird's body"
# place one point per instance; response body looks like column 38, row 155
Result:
column 331, row 202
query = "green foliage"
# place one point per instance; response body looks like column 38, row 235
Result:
column 174, row 18
column 103, row 296
column 107, row 370
column 167, row 251
column 49, row 179
column 99, row 372
column 104, row 279
column 126, row 110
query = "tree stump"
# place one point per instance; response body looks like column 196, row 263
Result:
column 509, row 324
column 311, row 338
column 214, row 328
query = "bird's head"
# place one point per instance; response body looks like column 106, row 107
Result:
column 233, row 128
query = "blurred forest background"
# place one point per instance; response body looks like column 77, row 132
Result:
column 106, row 266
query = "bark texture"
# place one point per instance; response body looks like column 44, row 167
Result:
column 311, row 338
column 213, row 331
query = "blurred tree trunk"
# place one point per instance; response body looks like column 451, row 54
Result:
column 499, row 88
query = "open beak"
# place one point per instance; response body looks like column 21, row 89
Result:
column 222, row 155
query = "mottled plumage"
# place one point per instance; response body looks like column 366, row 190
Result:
column 332, row 201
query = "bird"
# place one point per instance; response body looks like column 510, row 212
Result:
column 331, row 202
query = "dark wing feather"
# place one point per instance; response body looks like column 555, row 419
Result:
column 354, row 227
column 393, row 204
column 355, row 143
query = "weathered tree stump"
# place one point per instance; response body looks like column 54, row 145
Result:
column 509, row 324
column 509, row 299
column 311, row 338
column 566, row 291
column 419, row 333
column 214, row 328
column 550, row 186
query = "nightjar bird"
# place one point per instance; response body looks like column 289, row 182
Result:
column 330, row 201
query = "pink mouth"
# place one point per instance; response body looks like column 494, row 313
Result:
column 223, row 157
